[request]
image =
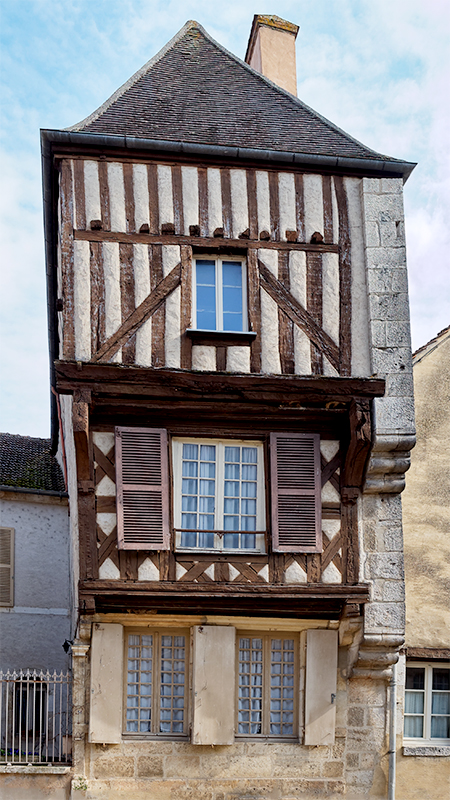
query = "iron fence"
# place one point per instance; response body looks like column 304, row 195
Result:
column 35, row 719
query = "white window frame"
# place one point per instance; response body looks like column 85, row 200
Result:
column 177, row 452
column 428, row 688
column 157, row 634
column 218, row 260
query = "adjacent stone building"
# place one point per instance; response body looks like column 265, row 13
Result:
column 424, row 669
column 229, row 334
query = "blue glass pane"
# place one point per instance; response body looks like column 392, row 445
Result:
column 248, row 489
column 232, row 322
column 232, row 274
column 440, row 703
column 230, row 523
column 189, row 486
column 206, row 522
column 248, row 507
column 206, row 308
column 414, row 727
column 208, row 452
column 248, row 541
column 206, row 273
column 232, row 489
column 232, row 471
column 188, row 503
column 189, row 521
column 232, row 454
column 190, row 451
column 249, row 472
column 248, row 524
column 207, row 487
column 249, row 455
column 188, row 540
column 206, row 505
column 206, row 540
column 231, row 506
column 207, row 469
column 190, row 469
column 231, row 541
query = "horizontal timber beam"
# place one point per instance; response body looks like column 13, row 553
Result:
column 211, row 243
column 176, row 384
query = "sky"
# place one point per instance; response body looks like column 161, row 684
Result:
column 379, row 69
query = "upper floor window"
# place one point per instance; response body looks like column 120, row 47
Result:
column 219, row 494
column 427, row 702
column 220, row 302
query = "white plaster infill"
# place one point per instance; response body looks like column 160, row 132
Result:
column 31, row 769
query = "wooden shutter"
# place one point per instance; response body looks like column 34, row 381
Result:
column 142, row 489
column 214, row 664
column 105, row 715
column 296, row 492
column 6, row 566
column 320, row 686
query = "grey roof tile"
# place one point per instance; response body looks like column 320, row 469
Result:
column 26, row 462
column 194, row 90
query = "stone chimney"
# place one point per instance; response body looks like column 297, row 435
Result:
column 271, row 50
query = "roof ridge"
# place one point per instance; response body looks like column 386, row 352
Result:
column 189, row 25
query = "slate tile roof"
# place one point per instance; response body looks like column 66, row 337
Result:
column 26, row 462
column 194, row 90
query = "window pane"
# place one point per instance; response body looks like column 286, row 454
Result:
column 139, row 683
column 248, row 541
column 231, row 541
column 232, row 295
column 206, row 540
column 206, row 294
column 190, row 451
column 198, row 496
column 414, row 727
column 171, row 702
column 415, row 677
column 414, row 702
column 208, row 452
column 440, row 703
column 250, row 709
column 441, row 679
column 282, row 672
column 190, row 469
column 232, row 454
column 188, row 539
column 440, row 727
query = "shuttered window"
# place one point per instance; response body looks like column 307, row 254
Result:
column 296, row 492
column 142, row 489
column 6, row 566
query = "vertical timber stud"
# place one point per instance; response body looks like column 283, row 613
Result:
column 214, row 684
column 352, row 479
column 105, row 717
column 85, row 483
column 320, row 687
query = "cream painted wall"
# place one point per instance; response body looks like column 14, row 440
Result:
column 426, row 504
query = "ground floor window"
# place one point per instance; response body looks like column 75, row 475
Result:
column 427, row 702
column 267, row 694
column 156, row 686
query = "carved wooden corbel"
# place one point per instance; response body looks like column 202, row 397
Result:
column 80, row 420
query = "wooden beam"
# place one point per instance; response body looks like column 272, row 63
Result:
column 127, row 380
column 360, row 443
column 140, row 315
column 80, row 421
column 299, row 315
column 200, row 241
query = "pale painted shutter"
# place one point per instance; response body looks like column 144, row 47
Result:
column 214, row 668
column 142, row 476
column 6, row 566
column 105, row 717
column 296, row 492
column 320, row 686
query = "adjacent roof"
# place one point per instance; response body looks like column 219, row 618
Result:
column 26, row 462
column 423, row 351
column 195, row 91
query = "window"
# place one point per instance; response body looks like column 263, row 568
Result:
column 6, row 566
column 156, row 686
column 219, row 494
column 220, row 300
column 267, row 688
column 427, row 702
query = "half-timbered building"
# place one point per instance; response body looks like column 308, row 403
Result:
column 231, row 362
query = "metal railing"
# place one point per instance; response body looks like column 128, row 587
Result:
column 35, row 718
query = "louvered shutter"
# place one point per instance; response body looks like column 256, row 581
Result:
column 6, row 566
column 142, row 489
column 296, row 492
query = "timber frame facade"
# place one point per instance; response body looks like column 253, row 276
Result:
column 134, row 210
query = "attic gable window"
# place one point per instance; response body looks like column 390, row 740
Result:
column 220, row 297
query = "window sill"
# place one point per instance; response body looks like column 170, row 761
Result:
column 426, row 750
column 30, row 769
column 221, row 338
column 191, row 551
